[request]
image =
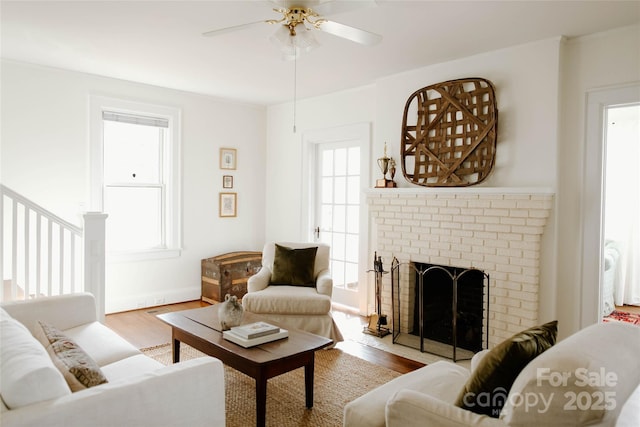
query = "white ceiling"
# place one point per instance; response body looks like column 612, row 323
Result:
column 161, row 42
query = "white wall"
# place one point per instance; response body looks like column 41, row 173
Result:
column 597, row 61
column 284, row 151
column 526, row 79
column 45, row 144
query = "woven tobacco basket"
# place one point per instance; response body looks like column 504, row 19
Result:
column 452, row 142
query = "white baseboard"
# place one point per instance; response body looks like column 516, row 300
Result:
column 116, row 305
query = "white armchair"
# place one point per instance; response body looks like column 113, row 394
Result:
column 301, row 307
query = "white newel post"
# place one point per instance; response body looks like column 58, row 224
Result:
column 94, row 258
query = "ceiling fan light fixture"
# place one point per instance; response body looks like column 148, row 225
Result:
column 293, row 46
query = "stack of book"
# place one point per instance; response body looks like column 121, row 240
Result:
column 254, row 334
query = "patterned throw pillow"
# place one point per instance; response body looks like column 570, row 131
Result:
column 78, row 368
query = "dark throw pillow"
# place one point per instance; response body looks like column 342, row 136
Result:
column 487, row 388
column 294, row 266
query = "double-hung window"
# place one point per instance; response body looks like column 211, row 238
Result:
column 135, row 177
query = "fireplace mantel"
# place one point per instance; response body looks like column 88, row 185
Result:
column 461, row 190
column 496, row 229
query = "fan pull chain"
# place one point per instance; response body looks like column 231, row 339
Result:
column 295, row 86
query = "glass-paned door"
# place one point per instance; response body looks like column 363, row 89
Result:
column 338, row 214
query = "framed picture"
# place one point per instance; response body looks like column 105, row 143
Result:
column 227, row 158
column 228, row 204
column 227, row 181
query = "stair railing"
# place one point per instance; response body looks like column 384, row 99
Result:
column 44, row 255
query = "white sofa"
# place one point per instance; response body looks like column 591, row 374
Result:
column 600, row 363
column 140, row 391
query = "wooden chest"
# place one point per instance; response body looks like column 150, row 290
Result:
column 228, row 274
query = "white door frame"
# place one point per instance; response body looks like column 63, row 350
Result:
column 593, row 196
column 361, row 132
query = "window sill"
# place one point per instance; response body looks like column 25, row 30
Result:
column 143, row 255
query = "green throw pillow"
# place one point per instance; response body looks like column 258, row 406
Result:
column 486, row 390
column 294, row 266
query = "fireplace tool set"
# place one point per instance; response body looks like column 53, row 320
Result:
column 377, row 321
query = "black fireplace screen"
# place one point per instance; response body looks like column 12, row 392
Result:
column 440, row 309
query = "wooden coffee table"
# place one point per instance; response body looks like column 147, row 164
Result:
column 197, row 328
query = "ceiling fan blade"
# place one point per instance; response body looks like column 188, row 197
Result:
column 213, row 33
column 350, row 33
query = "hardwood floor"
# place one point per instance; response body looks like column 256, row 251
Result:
column 142, row 329
column 629, row 308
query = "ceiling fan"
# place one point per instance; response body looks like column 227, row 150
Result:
column 299, row 19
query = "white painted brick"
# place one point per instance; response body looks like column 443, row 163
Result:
column 451, row 225
column 462, row 233
column 509, row 269
column 498, row 244
column 496, row 212
column 513, row 220
column 498, row 228
column 429, row 253
column 528, row 305
column 450, row 211
column 498, row 292
column 473, row 227
column 503, row 204
column 536, row 222
column 510, row 236
column 430, row 224
column 421, row 216
column 466, row 219
column 436, row 202
column 538, row 213
column 488, row 219
column 496, row 259
column 532, row 204
column 534, row 246
column 527, row 230
column 479, row 203
column 404, row 215
column 510, row 252
column 416, row 202
column 442, row 217
column 485, row 235
column 466, row 228
column 525, row 296
column 458, row 202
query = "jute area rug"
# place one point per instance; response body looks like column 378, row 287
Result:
column 339, row 378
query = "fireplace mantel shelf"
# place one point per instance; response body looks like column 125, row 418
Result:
column 460, row 190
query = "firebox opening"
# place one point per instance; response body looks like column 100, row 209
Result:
column 438, row 306
column 440, row 309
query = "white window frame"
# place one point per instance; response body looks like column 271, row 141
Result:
column 172, row 225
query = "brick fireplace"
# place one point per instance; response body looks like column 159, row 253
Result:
column 495, row 230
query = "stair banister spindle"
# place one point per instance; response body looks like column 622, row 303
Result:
column 14, row 250
column 61, row 260
column 49, row 257
column 72, row 262
column 38, row 252
column 27, row 285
